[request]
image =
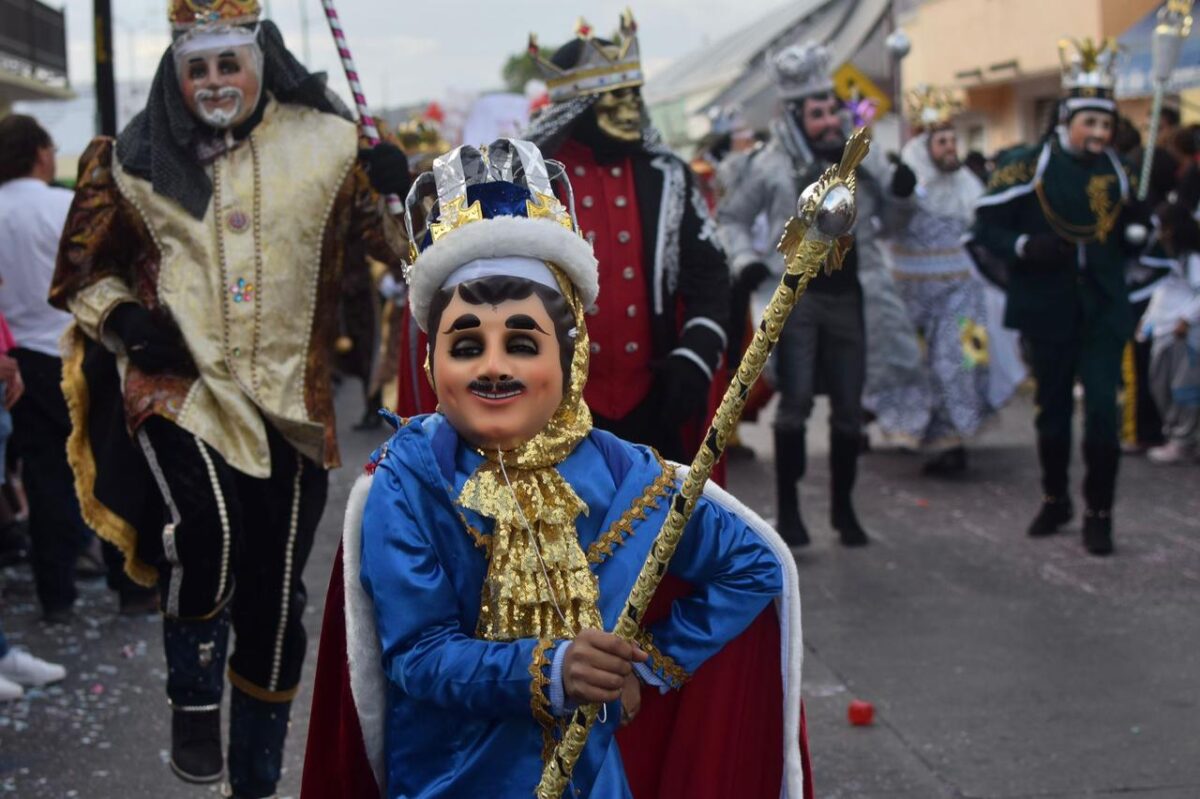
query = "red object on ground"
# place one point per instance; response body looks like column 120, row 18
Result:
column 861, row 713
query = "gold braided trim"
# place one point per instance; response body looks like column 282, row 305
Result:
column 1105, row 210
column 261, row 694
column 482, row 541
column 107, row 524
column 602, row 548
column 1130, row 395
column 539, row 702
column 1011, row 175
column 671, row 671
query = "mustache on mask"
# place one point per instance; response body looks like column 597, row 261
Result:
column 496, row 386
column 217, row 117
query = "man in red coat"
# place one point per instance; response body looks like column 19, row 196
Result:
column 658, row 332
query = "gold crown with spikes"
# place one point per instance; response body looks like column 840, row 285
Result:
column 1088, row 67
column 929, row 107
column 185, row 15
column 600, row 68
column 418, row 137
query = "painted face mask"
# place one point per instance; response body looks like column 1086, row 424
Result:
column 220, row 75
column 1090, row 131
column 619, row 114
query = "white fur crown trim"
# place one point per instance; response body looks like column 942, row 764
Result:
column 502, row 237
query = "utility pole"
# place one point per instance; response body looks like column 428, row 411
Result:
column 106, row 88
column 304, row 34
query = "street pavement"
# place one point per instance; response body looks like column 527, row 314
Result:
column 999, row 667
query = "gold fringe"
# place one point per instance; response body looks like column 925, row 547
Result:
column 261, row 694
column 1129, row 396
column 539, row 702
column 107, row 524
column 602, row 548
column 671, row 671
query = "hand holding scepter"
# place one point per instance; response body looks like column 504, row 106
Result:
column 816, row 237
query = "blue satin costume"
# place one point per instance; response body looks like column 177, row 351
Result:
column 459, row 719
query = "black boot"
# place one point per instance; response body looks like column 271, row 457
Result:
column 947, row 463
column 843, row 470
column 790, row 462
column 196, row 743
column 257, row 731
column 1054, row 513
column 1054, row 456
column 195, row 677
column 1097, row 532
column 1099, row 489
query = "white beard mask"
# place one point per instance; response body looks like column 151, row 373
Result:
column 218, row 117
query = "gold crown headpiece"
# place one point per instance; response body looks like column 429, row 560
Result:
column 600, row 68
column 186, row 15
column 418, row 137
column 1088, row 67
column 929, row 107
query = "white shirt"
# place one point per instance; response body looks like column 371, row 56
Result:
column 32, row 217
column 1175, row 298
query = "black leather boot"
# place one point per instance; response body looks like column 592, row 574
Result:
column 1099, row 490
column 843, row 470
column 1054, row 513
column 196, row 743
column 790, row 463
column 1054, row 456
column 195, row 653
column 257, row 731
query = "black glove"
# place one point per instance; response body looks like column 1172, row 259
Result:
column 1048, row 251
column 750, row 278
column 904, row 180
column 682, row 389
column 153, row 342
column 387, row 167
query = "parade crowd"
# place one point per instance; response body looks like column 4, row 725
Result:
column 549, row 326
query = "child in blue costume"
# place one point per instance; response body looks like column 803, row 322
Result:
column 497, row 539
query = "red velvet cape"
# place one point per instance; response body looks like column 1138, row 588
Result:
column 718, row 737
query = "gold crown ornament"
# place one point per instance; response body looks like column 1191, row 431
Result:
column 186, row 15
column 929, row 107
column 418, row 137
column 601, row 67
column 1089, row 68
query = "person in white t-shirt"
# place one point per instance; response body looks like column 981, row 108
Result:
column 32, row 215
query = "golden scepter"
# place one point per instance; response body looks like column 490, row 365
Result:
column 816, row 236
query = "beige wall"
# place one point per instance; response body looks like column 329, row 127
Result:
column 1004, row 54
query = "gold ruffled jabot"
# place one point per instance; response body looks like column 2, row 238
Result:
column 535, row 560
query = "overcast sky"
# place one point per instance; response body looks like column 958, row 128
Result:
column 412, row 50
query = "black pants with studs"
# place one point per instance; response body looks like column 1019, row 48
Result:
column 230, row 541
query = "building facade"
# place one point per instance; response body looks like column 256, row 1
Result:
column 1003, row 56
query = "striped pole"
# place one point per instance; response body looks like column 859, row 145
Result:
column 364, row 115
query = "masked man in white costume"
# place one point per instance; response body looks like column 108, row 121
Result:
column 203, row 262
column 947, row 301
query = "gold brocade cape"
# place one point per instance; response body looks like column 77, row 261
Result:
column 538, row 583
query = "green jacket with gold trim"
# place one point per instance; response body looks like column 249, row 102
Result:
column 1084, row 201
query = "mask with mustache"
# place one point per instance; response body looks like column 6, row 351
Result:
column 219, row 117
column 499, row 388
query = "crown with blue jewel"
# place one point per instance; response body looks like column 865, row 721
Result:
column 491, row 202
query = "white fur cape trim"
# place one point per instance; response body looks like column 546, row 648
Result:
column 500, row 237
column 368, row 684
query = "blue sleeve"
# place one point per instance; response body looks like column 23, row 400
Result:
column 426, row 651
column 734, row 575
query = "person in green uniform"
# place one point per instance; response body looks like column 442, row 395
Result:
column 1062, row 215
